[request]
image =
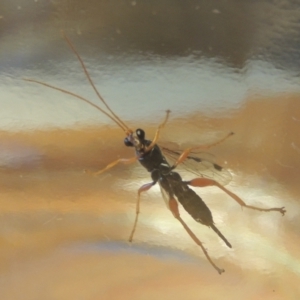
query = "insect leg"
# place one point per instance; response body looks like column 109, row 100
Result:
column 161, row 126
column 142, row 189
column 187, row 151
column 203, row 182
column 173, row 205
column 125, row 161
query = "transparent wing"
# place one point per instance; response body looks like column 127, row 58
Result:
column 165, row 196
column 202, row 164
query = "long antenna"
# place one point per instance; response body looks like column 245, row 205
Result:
column 90, row 79
column 81, row 98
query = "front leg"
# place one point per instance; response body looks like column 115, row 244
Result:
column 161, row 126
column 125, row 161
column 203, row 182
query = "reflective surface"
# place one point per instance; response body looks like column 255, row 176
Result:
column 220, row 67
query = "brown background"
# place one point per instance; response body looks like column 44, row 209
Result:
column 64, row 233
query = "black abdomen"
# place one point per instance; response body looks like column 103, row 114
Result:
column 195, row 206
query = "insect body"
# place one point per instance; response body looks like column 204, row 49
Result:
column 191, row 202
column 150, row 156
column 171, row 182
column 175, row 189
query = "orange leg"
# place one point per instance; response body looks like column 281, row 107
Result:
column 173, row 205
column 161, row 126
column 203, row 182
column 125, row 161
column 187, row 151
column 142, row 189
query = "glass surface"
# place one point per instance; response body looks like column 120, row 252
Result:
column 219, row 66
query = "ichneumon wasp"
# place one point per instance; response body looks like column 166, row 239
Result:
column 151, row 157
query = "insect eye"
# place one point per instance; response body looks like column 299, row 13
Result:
column 140, row 134
column 127, row 142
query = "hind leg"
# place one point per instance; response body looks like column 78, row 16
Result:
column 174, row 209
column 203, row 182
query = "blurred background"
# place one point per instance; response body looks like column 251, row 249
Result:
column 219, row 66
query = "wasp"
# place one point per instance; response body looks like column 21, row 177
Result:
column 174, row 189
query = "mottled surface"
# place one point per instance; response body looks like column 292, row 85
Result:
column 220, row 66
column 59, row 226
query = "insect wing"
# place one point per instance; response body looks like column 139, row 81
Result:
column 202, row 164
column 165, row 195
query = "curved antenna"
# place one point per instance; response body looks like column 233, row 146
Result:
column 126, row 129
column 90, row 79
